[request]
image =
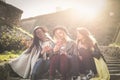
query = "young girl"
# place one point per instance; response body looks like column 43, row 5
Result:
column 23, row 65
column 64, row 47
column 92, row 63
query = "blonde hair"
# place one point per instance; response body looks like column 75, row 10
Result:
column 67, row 38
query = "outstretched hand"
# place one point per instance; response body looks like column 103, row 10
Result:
column 57, row 46
column 46, row 49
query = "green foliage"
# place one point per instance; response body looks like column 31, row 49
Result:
column 6, row 56
column 10, row 39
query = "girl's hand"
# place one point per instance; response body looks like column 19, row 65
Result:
column 46, row 49
column 57, row 46
column 80, row 57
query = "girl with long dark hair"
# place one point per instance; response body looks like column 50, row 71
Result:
column 24, row 64
column 92, row 62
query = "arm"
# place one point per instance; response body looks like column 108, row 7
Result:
column 97, row 53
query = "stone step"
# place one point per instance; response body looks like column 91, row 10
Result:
column 112, row 76
column 114, row 71
column 117, row 65
column 108, row 58
column 115, row 76
column 113, row 65
column 113, row 68
column 16, row 78
column 112, row 59
column 26, row 79
column 113, row 62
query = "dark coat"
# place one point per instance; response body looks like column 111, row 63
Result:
column 87, row 62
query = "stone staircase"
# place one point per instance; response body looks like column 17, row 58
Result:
column 113, row 66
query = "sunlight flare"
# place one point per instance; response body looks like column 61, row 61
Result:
column 89, row 9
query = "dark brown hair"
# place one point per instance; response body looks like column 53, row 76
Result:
column 35, row 38
column 89, row 40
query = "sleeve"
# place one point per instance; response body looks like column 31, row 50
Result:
column 71, row 48
column 97, row 53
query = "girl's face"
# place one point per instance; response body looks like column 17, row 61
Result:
column 79, row 36
column 40, row 34
column 60, row 34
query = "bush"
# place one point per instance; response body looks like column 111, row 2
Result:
column 7, row 55
column 10, row 40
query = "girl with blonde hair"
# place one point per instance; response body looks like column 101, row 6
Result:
column 64, row 47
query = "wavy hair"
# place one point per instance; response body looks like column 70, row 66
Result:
column 89, row 40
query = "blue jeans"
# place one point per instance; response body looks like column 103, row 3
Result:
column 41, row 67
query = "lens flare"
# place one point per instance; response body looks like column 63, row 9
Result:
column 88, row 9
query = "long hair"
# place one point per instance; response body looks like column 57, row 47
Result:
column 35, row 38
column 89, row 40
column 67, row 38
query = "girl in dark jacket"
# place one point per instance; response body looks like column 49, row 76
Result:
column 89, row 58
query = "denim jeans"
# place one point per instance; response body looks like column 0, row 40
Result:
column 40, row 68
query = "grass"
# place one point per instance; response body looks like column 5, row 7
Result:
column 6, row 56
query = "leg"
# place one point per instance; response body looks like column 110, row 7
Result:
column 65, row 67
column 37, row 70
column 54, row 61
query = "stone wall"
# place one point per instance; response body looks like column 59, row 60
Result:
column 104, row 26
column 9, row 15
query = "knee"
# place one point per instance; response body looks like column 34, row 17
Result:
column 34, row 74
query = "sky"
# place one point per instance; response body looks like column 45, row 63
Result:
column 33, row 8
column 39, row 7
